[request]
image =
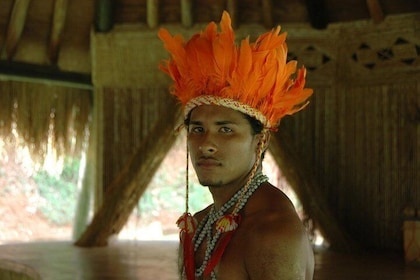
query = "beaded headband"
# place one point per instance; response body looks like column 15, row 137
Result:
column 254, row 78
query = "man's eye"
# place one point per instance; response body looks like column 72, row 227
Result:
column 197, row 129
column 225, row 129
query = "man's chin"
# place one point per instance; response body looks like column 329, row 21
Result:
column 210, row 183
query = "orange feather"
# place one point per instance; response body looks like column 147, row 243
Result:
column 255, row 74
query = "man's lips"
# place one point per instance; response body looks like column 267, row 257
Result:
column 208, row 162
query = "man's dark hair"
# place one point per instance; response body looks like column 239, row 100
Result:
column 256, row 125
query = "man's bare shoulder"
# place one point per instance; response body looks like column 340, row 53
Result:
column 268, row 204
column 277, row 231
column 272, row 216
column 277, row 239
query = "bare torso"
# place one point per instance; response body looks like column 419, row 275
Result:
column 270, row 243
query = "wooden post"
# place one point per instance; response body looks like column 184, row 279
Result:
column 186, row 13
column 104, row 15
column 58, row 21
column 267, row 8
column 152, row 13
column 232, row 8
column 375, row 10
column 16, row 25
column 317, row 13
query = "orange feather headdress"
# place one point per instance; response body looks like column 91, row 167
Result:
column 253, row 78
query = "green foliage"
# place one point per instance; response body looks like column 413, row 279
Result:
column 59, row 192
column 200, row 197
column 166, row 193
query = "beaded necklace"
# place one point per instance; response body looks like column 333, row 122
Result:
column 205, row 229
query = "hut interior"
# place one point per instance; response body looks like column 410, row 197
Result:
column 83, row 74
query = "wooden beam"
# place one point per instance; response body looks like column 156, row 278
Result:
column 152, row 13
column 375, row 10
column 317, row 12
column 186, row 13
column 125, row 191
column 58, row 21
column 305, row 187
column 16, row 25
column 104, row 15
column 267, row 8
column 43, row 74
column 232, row 8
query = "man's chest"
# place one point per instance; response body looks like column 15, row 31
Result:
column 231, row 264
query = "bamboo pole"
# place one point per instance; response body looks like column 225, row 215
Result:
column 16, row 25
column 317, row 13
column 58, row 22
column 104, row 15
column 152, row 13
column 186, row 13
column 267, row 8
column 375, row 10
column 232, row 8
column 86, row 192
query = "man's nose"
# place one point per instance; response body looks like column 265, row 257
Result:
column 208, row 146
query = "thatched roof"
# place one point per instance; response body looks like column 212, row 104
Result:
column 56, row 33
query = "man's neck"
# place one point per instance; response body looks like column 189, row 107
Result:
column 221, row 194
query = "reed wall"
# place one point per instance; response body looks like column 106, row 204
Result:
column 361, row 133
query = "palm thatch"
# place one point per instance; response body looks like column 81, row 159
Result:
column 44, row 118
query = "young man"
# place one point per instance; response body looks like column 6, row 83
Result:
column 232, row 97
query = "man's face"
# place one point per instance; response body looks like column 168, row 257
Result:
column 222, row 146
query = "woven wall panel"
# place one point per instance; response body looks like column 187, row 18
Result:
column 127, row 58
column 361, row 132
column 129, row 117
